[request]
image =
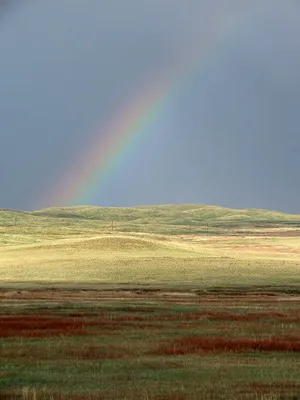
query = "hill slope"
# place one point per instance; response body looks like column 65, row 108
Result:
column 85, row 221
column 187, row 214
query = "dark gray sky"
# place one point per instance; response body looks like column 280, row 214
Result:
column 231, row 137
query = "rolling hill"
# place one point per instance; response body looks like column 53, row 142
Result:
column 156, row 219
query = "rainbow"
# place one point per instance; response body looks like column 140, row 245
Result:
column 104, row 153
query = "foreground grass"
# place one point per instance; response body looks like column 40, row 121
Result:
column 143, row 345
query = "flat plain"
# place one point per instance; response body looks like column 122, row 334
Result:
column 167, row 302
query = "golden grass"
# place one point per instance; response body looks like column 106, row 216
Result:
column 149, row 258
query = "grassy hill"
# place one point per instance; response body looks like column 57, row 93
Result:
column 186, row 214
column 18, row 227
column 164, row 219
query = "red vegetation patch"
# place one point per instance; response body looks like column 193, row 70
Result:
column 39, row 326
column 194, row 345
column 96, row 353
column 46, row 326
column 227, row 316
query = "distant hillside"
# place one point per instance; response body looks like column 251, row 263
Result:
column 174, row 215
column 18, row 227
column 9, row 217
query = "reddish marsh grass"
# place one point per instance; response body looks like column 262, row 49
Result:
column 96, row 353
column 38, row 326
column 227, row 316
column 194, row 345
column 41, row 326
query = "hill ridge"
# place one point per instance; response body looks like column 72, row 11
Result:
column 161, row 219
column 168, row 207
column 179, row 219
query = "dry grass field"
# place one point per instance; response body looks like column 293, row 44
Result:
column 155, row 259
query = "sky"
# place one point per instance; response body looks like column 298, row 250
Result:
column 230, row 136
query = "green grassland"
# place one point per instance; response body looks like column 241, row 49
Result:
column 168, row 219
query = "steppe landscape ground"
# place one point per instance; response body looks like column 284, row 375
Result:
column 170, row 302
